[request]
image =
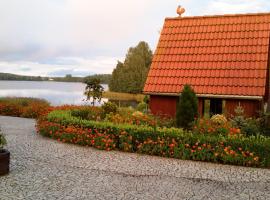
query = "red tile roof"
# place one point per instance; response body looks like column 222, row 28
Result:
column 217, row 55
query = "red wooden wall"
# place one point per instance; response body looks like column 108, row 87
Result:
column 166, row 106
column 251, row 107
column 163, row 105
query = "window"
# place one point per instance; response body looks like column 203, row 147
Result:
column 212, row 107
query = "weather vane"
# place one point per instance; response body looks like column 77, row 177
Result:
column 180, row 10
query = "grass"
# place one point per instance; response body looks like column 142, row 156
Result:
column 123, row 96
column 23, row 101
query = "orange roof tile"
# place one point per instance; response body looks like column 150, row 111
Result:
column 217, row 55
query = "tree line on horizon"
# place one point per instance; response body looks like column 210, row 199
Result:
column 104, row 78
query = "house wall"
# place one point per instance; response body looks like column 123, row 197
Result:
column 166, row 106
column 163, row 105
column 251, row 107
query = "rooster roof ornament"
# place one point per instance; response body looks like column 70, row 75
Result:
column 180, row 10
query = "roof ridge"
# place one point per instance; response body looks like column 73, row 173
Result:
column 217, row 16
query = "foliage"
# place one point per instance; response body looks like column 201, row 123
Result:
column 142, row 106
column 23, row 107
column 167, row 122
column 123, row 96
column 3, row 141
column 218, row 119
column 248, row 126
column 87, row 113
column 109, row 107
column 104, row 78
column 8, row 76
column 130, row 76
column 146, row 99
column 167, row 142
column 210, row 127
column 264, row 123
column 187, row 108
column 93, row 89
column 132, row 118
column 68, row 78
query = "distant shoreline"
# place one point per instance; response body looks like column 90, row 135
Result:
column 105, row 78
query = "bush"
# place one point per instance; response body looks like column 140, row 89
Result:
column 131, row 117
column 86, row 113
column 168, row 142
column 167, row 122
column 208, row 127
column 264, row 123
column 187, row 108
column 109, row 107
column 23, row 107
column 142, row 107
column 248, row 126
column 3, row 141
column 218, row 119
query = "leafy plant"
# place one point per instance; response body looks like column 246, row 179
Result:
column 187, row 108
column 86, row 113
column 3, row 141
column 248, row 126
column 218, row 119
column 109, row 107
column 93, row 89
column 142, row 106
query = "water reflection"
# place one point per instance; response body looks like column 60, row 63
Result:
column 57, row 93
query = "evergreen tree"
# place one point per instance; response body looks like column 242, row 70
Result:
column 187, row 108
column 131, row 75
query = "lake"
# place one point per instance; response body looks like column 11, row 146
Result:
column 57, row 93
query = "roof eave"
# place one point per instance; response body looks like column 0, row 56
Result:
column 212, row 96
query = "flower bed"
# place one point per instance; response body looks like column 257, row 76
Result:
column 23, row 107
column 34, row 108
column 167, row 142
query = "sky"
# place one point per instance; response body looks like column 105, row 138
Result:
column 83, row 37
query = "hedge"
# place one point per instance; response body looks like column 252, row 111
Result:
column 167, row 142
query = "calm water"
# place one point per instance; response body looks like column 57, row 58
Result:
column 57, row 93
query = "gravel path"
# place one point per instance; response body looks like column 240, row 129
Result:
column 45, row 169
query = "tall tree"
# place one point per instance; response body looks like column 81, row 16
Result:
column 130, row 76
column 93, row 89
column 187, row 108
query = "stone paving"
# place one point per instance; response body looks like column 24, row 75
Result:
column 42, row 168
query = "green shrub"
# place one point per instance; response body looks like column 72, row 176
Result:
column 248, row 126
column 165, row 121
column 82, row 114
column 109, row 107
column 3, row 141
column 187, row 108
column 218, row 119
column 86, row 113
column 142, row 107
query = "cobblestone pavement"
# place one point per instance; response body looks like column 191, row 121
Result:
column 45, row 169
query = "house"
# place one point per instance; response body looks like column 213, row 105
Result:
column 225, row 58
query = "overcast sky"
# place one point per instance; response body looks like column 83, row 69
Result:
column 82, row 37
